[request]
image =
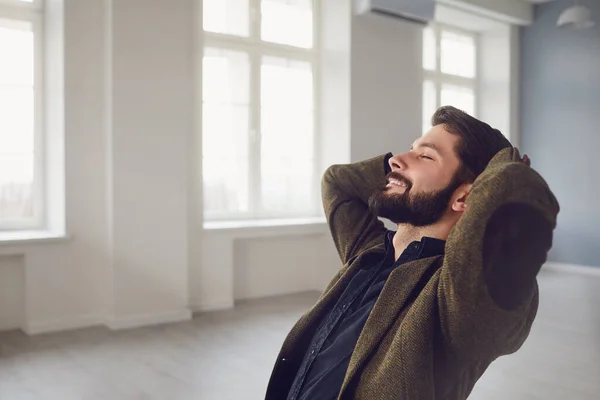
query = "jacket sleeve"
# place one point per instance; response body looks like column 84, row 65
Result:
column 345, row 193
column 488, row 295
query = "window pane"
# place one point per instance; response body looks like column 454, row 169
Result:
column 287, row 137
column 227, row 16
column 226, row 76
column 16, row 68
column 16, row 121
column 287, row 22
column 225, row 130
column 460, row 97
column 429, row 49
column 458, row 54
column 429, row 103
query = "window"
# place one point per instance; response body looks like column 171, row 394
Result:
column 450, row 65
column 20, row 110
column 259, row 116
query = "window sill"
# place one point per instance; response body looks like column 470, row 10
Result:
column 268, row 227
column 31, row 237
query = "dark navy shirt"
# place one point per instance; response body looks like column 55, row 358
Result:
column 321, row 373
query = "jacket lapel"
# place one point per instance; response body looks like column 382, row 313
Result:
column 401, row 284
column 330, row 297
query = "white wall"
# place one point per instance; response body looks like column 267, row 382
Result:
column 12, row 299
column 386, row 85
column 65, row 282
column 152, row 100
column 334, row 80
column 128, row 121
column 257, row 261
column 278, row 265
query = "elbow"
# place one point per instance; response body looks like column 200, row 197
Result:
column 328, row 178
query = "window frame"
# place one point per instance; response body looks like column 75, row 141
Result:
column 440, row 78
column 256, row 48
column 32, row 12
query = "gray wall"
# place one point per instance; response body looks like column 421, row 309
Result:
column 561, row 125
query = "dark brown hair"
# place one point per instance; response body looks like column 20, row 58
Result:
column 478, row 142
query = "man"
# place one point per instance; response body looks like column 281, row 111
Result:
column 420, row 313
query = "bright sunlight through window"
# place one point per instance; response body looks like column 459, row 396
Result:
column 258, row 137
column 450, row 66
column 18, row 174
column 288, row 22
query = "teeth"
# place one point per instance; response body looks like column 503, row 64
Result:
column 397, row 183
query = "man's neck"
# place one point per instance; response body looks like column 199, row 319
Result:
column 406, row 234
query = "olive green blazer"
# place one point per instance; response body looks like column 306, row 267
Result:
column 439, row 322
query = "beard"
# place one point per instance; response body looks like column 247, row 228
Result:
column 416, row 209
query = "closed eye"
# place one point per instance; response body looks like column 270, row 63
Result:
column 427, row 157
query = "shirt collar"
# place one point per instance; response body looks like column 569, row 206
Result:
column 426, row 247
column 431, row 247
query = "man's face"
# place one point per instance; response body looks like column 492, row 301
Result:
column 421, row 183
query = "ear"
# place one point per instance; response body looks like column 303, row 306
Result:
column 459, row 203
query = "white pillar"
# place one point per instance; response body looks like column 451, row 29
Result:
column 152, row 101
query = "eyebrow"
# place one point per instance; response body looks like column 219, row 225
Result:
column 429, row 145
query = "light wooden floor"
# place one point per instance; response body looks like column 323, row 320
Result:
column 229, row 355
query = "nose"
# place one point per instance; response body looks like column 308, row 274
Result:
column 396, row 162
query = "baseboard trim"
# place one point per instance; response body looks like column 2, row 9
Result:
column 225, row 304
column 89, row 321
column 141, row 320
column 62, row 324
column 572, row 269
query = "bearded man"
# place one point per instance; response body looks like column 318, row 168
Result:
column 422, row 311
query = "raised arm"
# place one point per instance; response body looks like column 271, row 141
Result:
column 488, row 293
column 345, row 191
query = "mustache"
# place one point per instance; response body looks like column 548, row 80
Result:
column 398, row 177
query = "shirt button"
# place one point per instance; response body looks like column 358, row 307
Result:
column 344, row 306
column 312, row 352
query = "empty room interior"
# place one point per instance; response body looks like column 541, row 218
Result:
column 186, row 199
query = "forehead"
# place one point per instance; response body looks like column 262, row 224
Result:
column 445, row 142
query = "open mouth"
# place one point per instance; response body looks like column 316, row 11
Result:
column 395, row 182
